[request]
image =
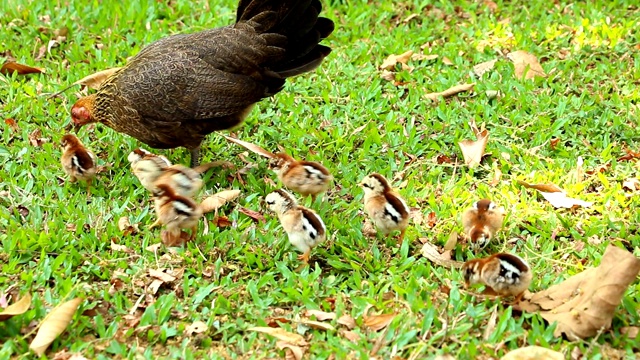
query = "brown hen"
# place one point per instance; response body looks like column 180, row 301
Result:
column 183, row 87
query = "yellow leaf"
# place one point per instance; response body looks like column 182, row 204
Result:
column 251, row 147
column 53, row 325
column 19, row 307
column 216, row 201
column 281, row 334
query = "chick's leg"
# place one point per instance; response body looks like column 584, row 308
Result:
column 88, row 187
column 195, row 156
column 401, row 236
column 305, row 256
column 156, row 223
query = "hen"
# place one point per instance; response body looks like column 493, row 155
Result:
column 183, row 87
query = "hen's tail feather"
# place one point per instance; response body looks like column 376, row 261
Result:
column 293, row 25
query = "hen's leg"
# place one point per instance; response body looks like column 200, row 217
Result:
column 195, row 156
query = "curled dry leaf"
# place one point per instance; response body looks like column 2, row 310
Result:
column 390, row 62
column 526, row 65
column 281, row 334
column 19, row 307
column 222, row 221
column 450, row 91
column 584, row 303
column 555, row 195
column 378, row 322
column 292, row 351
column 317, row 325
column 198, row 327
column 473, row 151
column 216, row 201
column 53, row 325
column 320, row 315
column 533, row 353
column 483, row 68
column 125, row 226
column 431, row 252
column 251, row 147
column 11, row 67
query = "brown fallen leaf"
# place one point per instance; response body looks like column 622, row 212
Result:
column 281, row 334
column 483, row 68
column 424, row 57
column 452, row 241
column 125, row 226
column 526, row 65
column 378, row 322
column 251, row 147
column 585, row 303
column 12, row 124
column 450, row 91
column 473, row 151
column 350, row 335
column 630, row 155
column 390, row 62
column 255, row 215
column 431, row 252
column 53, row 325
column 533, row 353
column 118, row 247
column 553, row 143
column 216, row 201
column 222, row 221
column 631, row 184
column 35, row 138
column 292, row 351
column 317, row 325
column 556, row 196
column 630, row 331
column 347, row 321
column 93, row 81
column 10, row 67
column 19, row 307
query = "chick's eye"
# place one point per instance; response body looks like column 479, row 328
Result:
column 367, row 186
column 271, row 202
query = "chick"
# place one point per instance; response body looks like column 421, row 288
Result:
column 303, row 226
column 387, row 210
column 78, row 162
column 504, row 274
column 175, row 212
column 481, row 222
column 140, row 153
column 304, row 177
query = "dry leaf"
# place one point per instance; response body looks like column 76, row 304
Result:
column 198, row 327
column 555, row 195
column 53, row 325
column 216, row 201
column 281, row 334
column 585, row 303
column 161, row 275
column 553, row 143
column 125, row 226
column 431, row 252
column 222, row 221
column 10, row 67
column 317, row 325
column 391, row 61
column 473, row 151
column 347, row 321
column 631, row 184
column 94, row 80
column 118, row 247
column 447, row 61
column 452, row 241
column 35, row 138
column 421, row 57
column 525, row 64
column 255, row 215
column 350, row 335
column 388, row 75
column 483, row 68
column 450, row 91
column 320, row 315
column 293, row 351
column 19, row 307
column 630, row 331
column 378, row 322
column 12, row 124
column 533, row 353
column 251, row 147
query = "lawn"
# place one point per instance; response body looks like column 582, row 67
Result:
column 56, row 245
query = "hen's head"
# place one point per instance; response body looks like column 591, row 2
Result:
column 82, row 111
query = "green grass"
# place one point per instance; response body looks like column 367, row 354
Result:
column 56, row 245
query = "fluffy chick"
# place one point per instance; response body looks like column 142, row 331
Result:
column 503, row 274
column 78, row 162
column 175, row 212
column 303, row 226
column 304, row 177
column 481, row 222
column 387, row 210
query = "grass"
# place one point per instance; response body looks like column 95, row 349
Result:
column 56, row 245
